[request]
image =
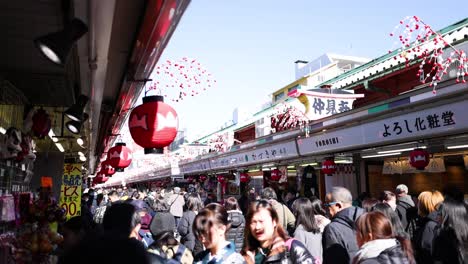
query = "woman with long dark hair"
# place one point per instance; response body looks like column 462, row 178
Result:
column 267, row 242
column 210, row 227
column 193, row 205
column 319, row 213
column 307, row 230
column 451, row 243
column 387, row 210
column 378, row 243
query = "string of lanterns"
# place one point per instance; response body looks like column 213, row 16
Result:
column 419, row 41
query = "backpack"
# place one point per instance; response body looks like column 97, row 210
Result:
column 174, row 254
column 99, row 214
column 288, row 244
column 411, row 218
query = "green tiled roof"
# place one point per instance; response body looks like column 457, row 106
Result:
column 444, row 31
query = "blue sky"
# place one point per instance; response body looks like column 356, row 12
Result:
column 250, row 46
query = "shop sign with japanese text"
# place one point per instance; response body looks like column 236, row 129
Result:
column 70, row 191
column 196, row 166
column 280, row 151
column 319, row 104
column 435, row 121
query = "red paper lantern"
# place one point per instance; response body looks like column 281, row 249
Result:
column 202, row 178
column 328, row 167
column 419, row 158
column 275, row 175
column 221, row 179
column 107, row 169
column 153, row 125
column 41, row 123
column 190, row 179
column 119, row 156
column 100, row 179
column 244, row 177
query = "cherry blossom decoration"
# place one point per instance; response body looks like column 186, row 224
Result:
column 182, row 78
column 221, row 142
column 288, row 117
column 419, row 41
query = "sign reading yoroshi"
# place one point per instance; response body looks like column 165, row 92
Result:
column 70, row 191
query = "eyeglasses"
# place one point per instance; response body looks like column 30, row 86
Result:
column 330, row 204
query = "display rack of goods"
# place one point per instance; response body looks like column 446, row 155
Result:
column 37, row 236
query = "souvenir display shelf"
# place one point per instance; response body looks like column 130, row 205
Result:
column 13, row 177
column 13, row 180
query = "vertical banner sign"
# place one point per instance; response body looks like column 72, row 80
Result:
column 70, row 192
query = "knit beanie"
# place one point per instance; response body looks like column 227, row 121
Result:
column 162, row 222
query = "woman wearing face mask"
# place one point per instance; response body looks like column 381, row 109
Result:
column 267, row 242
column 210, row 227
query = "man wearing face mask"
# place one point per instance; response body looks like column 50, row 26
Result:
column 339, row 237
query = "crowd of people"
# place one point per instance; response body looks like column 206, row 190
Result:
column 174, row 226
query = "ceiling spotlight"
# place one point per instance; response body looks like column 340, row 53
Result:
column 60, row 147
column 80, row 153
column 75, row 126
column 76, row 111
column 80, row 141
column 56, row 46
column 82, row 158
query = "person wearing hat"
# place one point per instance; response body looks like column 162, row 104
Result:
column 165, row 245
column 144, row 231
column 176, row 205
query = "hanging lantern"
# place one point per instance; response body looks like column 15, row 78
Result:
column 275, row 175
column 244, row 177
column 107, row 169
column 190, row 179
column 100, row 179
column 223, row 181
column 419, row 158
column 153, row 125
column 220, row 178
column 41, row 123
column 202, row 178
column 119, row 156
column 329, row 167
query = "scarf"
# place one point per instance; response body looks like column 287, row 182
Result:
column 221, row 257
column 373, row 248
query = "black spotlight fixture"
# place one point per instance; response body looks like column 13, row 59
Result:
column 75, row 126
column 76, row 111
column 56, row 46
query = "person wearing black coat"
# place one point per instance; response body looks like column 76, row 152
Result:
column 378, row 243
column 451, row 240
column 235, row 233
column 339, row 237
column 393, row 255
column 194, row 204
column 425, row 233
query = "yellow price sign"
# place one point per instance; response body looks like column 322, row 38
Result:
column 70, row 191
